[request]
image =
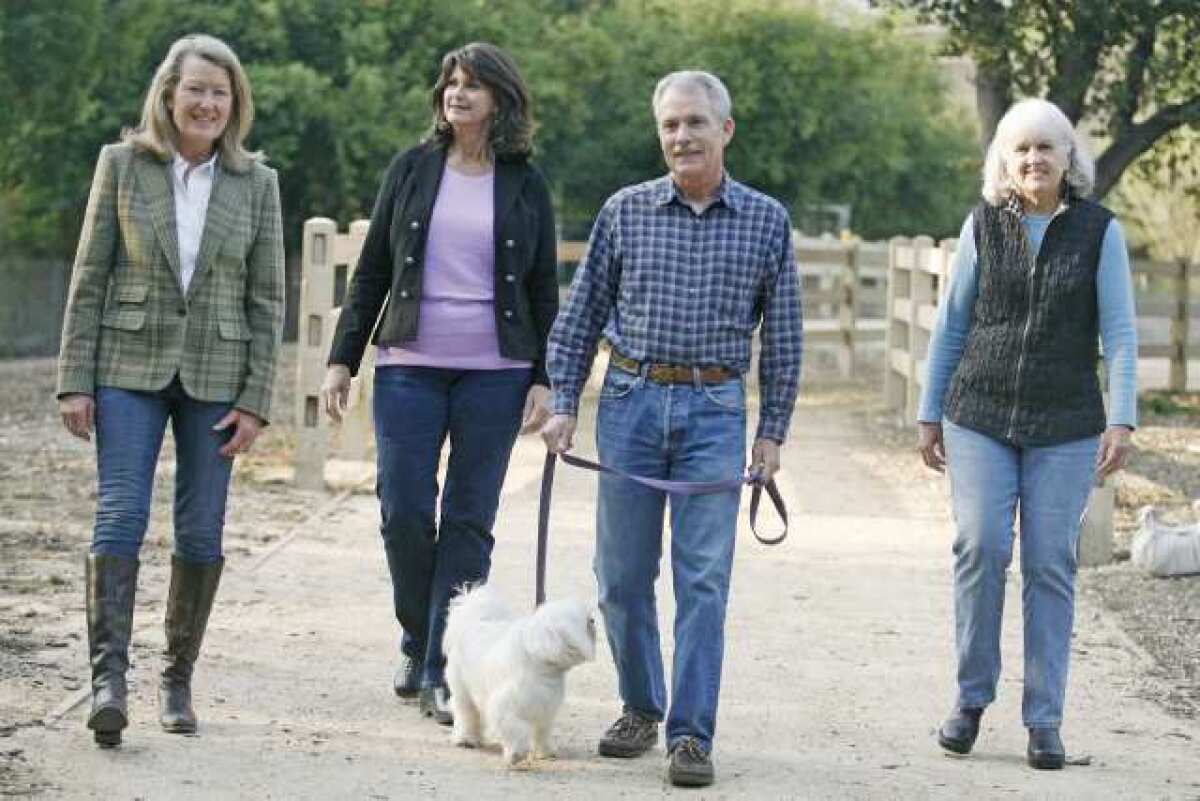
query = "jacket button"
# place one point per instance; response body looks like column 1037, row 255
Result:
column 508, row 313
column 414, row 225
column 409, row 260
column 404, row 293
column 510, row 244
column 509, row 277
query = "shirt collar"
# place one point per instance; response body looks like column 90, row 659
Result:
column 180, row 166
column 1013, row 204
column 728, row 194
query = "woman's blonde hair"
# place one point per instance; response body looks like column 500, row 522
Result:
column 1045, row 119
column 157, row 134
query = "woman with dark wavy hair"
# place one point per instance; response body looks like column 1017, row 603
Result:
column 457, row 280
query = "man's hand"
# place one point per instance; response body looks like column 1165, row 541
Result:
column 536, row 410
column 1114, row 450
column 246, row 428
column 764, row 459
column 558, row 433
column 932, row 446
column 335, row 391
column 78, row 412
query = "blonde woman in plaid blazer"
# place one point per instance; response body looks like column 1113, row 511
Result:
column 175, row 314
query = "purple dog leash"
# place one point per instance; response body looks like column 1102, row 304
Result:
column 674, row 487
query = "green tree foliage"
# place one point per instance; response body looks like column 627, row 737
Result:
column 825, row 114
column 1129, row 65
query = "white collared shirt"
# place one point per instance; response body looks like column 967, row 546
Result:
column 192, row 185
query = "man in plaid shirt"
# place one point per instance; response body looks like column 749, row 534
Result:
column 679, row 271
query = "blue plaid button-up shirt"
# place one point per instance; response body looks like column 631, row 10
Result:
column 666, row 285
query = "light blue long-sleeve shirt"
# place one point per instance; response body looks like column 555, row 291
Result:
column 1114, row 298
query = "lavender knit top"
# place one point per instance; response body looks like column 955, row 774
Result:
column 457, row 324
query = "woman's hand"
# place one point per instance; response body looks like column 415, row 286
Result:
column 335, row 391
column 537, row 410
column 931, row 445
column 246, row 428
column 1115, row 447
column 78, row 413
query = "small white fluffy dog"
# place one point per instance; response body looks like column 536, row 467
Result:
column 507, row 674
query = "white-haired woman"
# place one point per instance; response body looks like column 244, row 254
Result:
column 1012, row 405
column 175, row 314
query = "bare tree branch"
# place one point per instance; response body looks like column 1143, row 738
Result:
column 1139, row 138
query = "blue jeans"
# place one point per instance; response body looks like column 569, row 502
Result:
column 990, row 480
column 681, row 432
column 129, row 434
column 415, row 409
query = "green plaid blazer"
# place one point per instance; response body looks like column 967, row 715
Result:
column 129, row 323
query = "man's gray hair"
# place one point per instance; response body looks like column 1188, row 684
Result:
column 697, row 80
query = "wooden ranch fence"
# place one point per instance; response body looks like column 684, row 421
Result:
column 844, row 300
column 918, row 277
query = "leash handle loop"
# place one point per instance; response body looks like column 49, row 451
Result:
column 664, row 485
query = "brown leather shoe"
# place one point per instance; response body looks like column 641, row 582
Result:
column 189, row 601
column 689, row 764
column 631, row 735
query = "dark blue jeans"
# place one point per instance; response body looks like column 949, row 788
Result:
column 429, row 558
column 129, row 434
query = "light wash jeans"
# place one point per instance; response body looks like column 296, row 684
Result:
column 679, row 432
column 129, row 432
column 990, row 480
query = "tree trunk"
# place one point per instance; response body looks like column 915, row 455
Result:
column 993, row 96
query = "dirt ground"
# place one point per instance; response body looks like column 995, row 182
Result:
column 47, row 494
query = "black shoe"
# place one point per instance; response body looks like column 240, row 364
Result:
column 1046, row 751
column 407, row 681
column 111, row 587
column 633, row 734
column 435, row 703
column 689, row 764
column 959, row 731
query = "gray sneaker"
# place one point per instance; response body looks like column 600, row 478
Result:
column 633, row 734
column 689, row 764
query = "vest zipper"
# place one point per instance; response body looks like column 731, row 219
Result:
column 1032, row 260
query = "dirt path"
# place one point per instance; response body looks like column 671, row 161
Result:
column 838, row 667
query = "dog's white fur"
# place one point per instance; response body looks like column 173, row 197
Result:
column 507, row 674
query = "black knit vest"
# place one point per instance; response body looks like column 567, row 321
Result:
column 1028, row 370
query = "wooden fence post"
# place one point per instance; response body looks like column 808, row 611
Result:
column 1179, row 329
column 316, row 298
column 356, row 434
column 848, row 308
column 898, row 279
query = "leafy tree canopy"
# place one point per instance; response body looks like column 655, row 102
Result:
column 825, row 114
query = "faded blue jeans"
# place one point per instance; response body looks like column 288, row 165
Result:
column 681, row 432
column 990, row 482
column 129, row 432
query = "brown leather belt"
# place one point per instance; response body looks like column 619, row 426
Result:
column 670, row 373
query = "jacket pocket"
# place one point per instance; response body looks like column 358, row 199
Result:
column 125, row 319
column 233, row 330
column 133, row 293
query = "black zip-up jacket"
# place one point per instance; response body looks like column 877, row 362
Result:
column 390, row 266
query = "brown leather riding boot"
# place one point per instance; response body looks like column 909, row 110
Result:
column 189, row 600
column 111, row 586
